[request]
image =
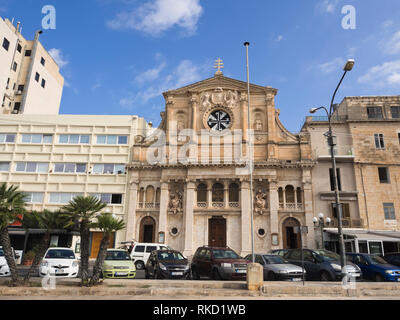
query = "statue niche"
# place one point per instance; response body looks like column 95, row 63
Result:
column 260, row 202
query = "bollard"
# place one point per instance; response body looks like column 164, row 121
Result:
column 255, row 276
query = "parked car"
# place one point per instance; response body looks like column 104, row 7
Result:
column 280, row 252
column 374, row 267
column 118, row 264
column 218, row 263
column 392, row 258
column 277, row 268
column 4, row 269
column 321, row 264
column 60, row 263
column 167, row 264
column 140, row 252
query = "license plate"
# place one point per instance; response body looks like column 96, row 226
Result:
column 296, row 279
column 241, row 271
column 177, row 273
column 121, row 274
column 59, row 270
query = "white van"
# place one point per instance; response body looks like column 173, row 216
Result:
column 141, row 251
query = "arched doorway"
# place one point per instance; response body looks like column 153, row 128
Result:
column 291, row 240
column 147, row 230
column 217, row 232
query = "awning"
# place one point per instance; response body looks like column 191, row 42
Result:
column 364, row 235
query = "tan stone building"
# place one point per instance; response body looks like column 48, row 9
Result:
column 30, row 81
column 197, row 192
column 368, row 159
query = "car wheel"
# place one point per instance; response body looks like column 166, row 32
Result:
column 139, row 265
column 216, row 275
column 325, row 276
column 379, row 278
column 195, row 275
column 271, row 276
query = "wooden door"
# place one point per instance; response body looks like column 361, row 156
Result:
column 217, row 232
column 96, row 239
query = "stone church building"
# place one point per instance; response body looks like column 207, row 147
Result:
column 199, row 192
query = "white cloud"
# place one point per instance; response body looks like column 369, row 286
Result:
column 150, row 74
column 387, row 74
column 392, row 46
column 279, row 38
column 160, row 15
column 96, row 85
column 331, row 66
column 327, row 6
column 58, row 57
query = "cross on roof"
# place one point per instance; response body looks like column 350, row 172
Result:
column 218, row 65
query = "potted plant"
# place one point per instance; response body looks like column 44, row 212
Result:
column 28, row 258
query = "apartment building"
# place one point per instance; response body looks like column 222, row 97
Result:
column 367, row 130
column 54, row 158
column 30, row 80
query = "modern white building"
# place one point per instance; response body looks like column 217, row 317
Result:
column 30, row 81
column 57, row 157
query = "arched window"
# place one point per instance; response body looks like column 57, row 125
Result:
column 158, row 195
column 289, row 192
column 150, row 194
column 233, row 192
column 141, row 197
column 299, row 195
column 218, row 192
column 280, row 194
column 202, row 193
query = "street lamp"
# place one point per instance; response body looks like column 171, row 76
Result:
column 321, row 223
column 331, row 142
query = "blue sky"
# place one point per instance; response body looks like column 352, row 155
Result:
column 118, row 56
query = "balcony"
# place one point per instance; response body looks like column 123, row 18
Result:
column 291, row 206
column 218, row 205
column 142, row 205
column 348, row 223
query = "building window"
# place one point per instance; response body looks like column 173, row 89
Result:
column 15, row 66
column 217, row 192
column 34, row 197
column 17, row 106
column 112, row 139
column 345, row 210
column 73, row 139
column 42, row 61
column 28, row 53
column 37, row 138
column 109, row 168
column 234, row 192
column 398, row 135
column 70, row 167
column 21, row 88
column 4, row 166
column 388, row 209
column 332, row 180
column 43, row 83
column 37, row 77
column 202, row 193
column 35, row 167
column 63, row 197
column 395, row 112
column 374, row 113
column 19, row 48
column 384, row 175
column 6, row 44
column 7, row 138
column 379, row 141
column 109, row 198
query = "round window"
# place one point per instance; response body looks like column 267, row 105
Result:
column 219, row 120
column 261, row 231
column 174, row 230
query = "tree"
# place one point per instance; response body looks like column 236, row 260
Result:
column 108, row 224
column 12, row 205
column 83, row 210
column 49, row 221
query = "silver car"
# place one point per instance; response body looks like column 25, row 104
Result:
column 277, row 268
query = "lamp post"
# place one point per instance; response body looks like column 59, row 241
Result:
column 331, row 142
column 321, row 223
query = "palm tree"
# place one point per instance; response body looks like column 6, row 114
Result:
column 49, row 221
column 83, row 210
column 108, row 224
column 12, row 205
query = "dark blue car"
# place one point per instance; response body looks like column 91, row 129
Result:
column 374, row 267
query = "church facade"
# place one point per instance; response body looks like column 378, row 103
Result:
column 189, row 180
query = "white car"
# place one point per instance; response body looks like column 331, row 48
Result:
column 59, row 263
column 140, row 252
column 4, row 268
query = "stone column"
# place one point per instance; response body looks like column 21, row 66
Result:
column 274, row 206
column 164, row 201
column 245, row 218
column 308, row 212
column 226, row 194
column 131, row 216
column 189, row 219
column 244, row 107
column 194, row 101
column 209, row 195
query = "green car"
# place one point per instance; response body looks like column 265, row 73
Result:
column 118, row 264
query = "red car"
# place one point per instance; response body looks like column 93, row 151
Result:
column 219, row 264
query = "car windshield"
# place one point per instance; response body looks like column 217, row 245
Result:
column 1, row 252
column 170, row 255
column 60, row 254
column 224, row 254
column 328, row 255
column 117, row 255
column 377, row 260
column 275, row 260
